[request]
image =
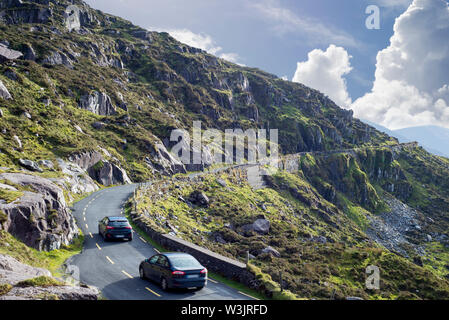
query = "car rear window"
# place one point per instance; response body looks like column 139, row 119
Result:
column 118, row 223
column 185, row 262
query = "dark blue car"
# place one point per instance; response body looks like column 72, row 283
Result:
column 115, row 228
column 174, row 270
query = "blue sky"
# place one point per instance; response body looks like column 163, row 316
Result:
column 274, row 35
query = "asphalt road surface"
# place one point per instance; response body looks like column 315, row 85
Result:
column 113, row 266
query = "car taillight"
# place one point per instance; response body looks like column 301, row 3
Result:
column 204, row 271
column 178, row 273
column 128, row 228
column 109, row 227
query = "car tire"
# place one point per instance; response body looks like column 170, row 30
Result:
column 164, row 284
column 142, row 273
column 199, row 288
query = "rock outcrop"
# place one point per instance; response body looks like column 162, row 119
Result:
column 162, row 161
column 40, row 218
column 260, row 226
column 76, row 178
column 108, row 173
column 58, row 58
column 103, row 171
column 199, row 198
column 12, row 272
column 99, row 103
column 17, row 12
column 30, row 165
column 8, row 54
column 4, row 93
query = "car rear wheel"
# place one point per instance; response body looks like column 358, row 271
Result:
column 199, row 288
column 164, row 284
column 141, row 273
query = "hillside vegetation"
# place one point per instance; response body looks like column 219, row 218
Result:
column 92, row 104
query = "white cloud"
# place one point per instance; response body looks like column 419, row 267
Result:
column 391, row 3
column 411, row 79
column 202, row 41
column 287, row 21
column 325, row 71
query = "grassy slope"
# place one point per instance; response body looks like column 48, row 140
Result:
column 52, row 260
column 310, row 270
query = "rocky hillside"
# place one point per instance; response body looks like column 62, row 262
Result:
column 321, row 222
column 89, row 100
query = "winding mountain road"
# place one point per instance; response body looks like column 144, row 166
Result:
column 113, row 266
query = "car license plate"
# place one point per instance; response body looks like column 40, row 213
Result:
column 192, row 276
column 120, row 236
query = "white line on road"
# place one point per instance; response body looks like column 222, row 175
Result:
column 99, row 248
column 109, row 259
column 87, row 227
column 91, row 235
column 156, row 250
column 212, row 280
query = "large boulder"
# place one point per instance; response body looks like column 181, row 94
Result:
column 271, row 251
column 8, row 54
column 87, row 159
column 103, row 171
column 40, row 219
column 4, row 93
column 58, row 58
column 30, row 165
column 76, row 178
column 260, row 226
column 199, row 198
column 108, row 173
column 99, row 103
column 163, row 162
column 12, row 272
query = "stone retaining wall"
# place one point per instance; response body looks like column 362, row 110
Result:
column 214, row 262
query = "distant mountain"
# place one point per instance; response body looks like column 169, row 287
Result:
column 433, row 138
column 392, row 133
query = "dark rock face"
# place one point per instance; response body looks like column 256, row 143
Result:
column 30, row 54
column 40, row 219
column 109, row 174
column 30, row 165
column 199, row 198
column 18, row 12
column 99, row 103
